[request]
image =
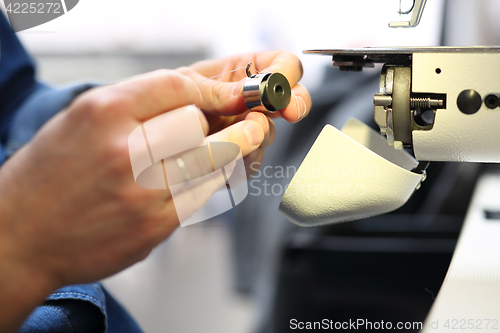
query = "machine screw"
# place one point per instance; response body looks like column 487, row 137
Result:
column 426, row 103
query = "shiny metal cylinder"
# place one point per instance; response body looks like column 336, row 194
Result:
column 251, row 91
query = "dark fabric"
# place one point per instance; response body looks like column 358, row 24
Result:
column 119, row 321
column 17, row 77
column 75, row 309
column 85, row 308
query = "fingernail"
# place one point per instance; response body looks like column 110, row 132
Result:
column 238, row 87
column 254, row 133
column 301, row 108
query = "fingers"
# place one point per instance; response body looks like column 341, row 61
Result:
column 224, row 95
column 222, row 149
column 253, row 161
column 191, row 196
column 299, row 106
column 148, row 95
column 199, row 161
column 282, row 62
column 261, row 119
column 219, row 98
column 205, row 170
column 247, row 134
column 271, row 136
column 162, row 137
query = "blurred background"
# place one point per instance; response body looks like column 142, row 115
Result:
column 188, row 283
column 114, row 39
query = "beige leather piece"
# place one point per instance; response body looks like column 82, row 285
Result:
column 342, row 180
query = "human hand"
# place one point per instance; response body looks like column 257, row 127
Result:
column 223, row 102
column 223, row 95
column 70, row 209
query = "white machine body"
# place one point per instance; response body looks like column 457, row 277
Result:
column 456, row 136
column 442, row 102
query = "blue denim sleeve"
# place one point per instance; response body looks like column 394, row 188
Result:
column 74, row 309
column 85, row 308
column 17, row 77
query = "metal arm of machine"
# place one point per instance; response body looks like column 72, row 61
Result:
column 418, row 9
column 441, row 101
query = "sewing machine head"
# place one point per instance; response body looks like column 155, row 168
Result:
column 442, row 102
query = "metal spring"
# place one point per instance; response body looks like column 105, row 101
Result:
column 426, row 103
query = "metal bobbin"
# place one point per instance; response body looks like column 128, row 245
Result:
column 270, row 90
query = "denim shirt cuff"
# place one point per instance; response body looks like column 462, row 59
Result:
column 76, row 309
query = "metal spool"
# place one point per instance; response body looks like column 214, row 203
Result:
column 270, row 90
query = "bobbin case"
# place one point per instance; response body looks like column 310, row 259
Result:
column 270, row 90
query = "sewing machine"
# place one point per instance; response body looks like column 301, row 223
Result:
column 433, row 104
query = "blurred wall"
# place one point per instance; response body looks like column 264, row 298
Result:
column 199, row 29
column 472, row 22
